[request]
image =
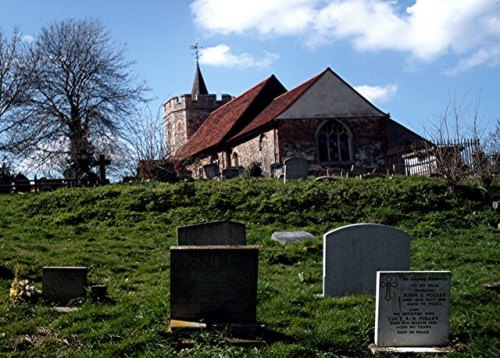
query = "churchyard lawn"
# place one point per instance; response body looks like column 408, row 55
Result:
column 123, row 233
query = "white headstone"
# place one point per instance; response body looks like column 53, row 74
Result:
column 412, row 309
column 353, row 254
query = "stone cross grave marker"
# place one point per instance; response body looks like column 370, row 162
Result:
column 213, row 284
column 412, row 311
column 296, row 168
column 212, row 233
column 353, row 254
column 62, row 283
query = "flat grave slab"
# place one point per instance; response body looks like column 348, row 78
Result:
column 286, row 237
column 412, row 311
column 212, row 233
column 213, row 284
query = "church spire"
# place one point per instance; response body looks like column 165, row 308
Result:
column 199, row 86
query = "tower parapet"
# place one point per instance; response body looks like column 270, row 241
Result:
column 183, row 115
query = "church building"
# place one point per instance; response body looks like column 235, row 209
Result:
column 323, row 121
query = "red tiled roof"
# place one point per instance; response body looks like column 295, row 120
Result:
column 278, row 106
column 230, row 118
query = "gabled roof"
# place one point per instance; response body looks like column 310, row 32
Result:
column 199, row 86
column 230, row 118
column 278, row 106
column 334, row 97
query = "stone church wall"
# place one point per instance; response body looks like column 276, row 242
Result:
column 368, row 137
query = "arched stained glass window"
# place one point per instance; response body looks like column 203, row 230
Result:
column 334, row 143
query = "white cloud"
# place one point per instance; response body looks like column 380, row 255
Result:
column 377, row 93
column 221, row 55
column 267, row 17
column 427, row 29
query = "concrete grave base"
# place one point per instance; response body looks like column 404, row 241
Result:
column 187, row 327
column 403, row 350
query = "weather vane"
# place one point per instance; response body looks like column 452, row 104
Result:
column 196, row 49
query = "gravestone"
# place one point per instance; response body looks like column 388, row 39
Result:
column 286, row 237
column 212, row 233
column 62, row 283
column 211, row 171
column 296, row 168
column 213, row 284
column 231, row 172
column 412, row 311
column 353, row 254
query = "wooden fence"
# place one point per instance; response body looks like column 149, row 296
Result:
column 36, row 185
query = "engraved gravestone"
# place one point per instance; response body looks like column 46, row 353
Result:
column 62, row 283
column 412, row 309
column 212, row 233
column 296, row 168
column 353, row 254
column 213, row 284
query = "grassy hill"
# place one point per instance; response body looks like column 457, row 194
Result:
column 123, row 234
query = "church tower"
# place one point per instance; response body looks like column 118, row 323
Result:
column 183, row 115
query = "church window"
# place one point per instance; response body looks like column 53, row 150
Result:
column 334, row 143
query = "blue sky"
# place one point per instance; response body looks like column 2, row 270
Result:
column 410, row 58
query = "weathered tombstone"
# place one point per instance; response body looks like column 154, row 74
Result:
column 353, row 254
column 22, row 184
column 412, row 311
column 231, row 172
column 213, row 284
column 62, row 283
column 211, row 171
column 296, row 168
column 212, row 233
column 286, row 237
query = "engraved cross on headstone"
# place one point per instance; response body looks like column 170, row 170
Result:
column 388, row 283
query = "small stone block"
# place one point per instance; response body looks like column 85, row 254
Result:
column 286, row 237
column 63, row 283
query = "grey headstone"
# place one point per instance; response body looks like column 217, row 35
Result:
column 211, row 171
column 212, row 233
column 230, row 173
column 353, row 254
column 412, row 309
column 213, row 284
column 285, row 237
column 62, row 283
column 296, row 168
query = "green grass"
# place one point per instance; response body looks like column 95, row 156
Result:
column 123, row 234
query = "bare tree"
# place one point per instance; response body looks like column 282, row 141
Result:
column 144, row 143
column 460, row 149
column 15, row 76
column 83, row 92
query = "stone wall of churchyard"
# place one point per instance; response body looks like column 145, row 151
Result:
column 259, row 149
column 297, row 138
